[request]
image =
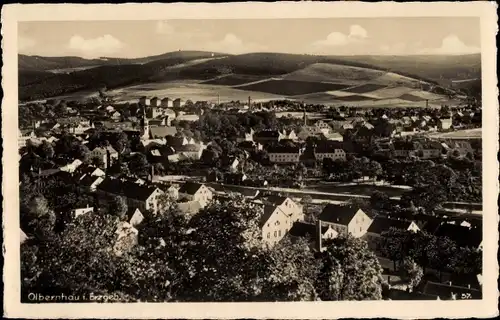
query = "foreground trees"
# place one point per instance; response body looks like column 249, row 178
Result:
column 216, row 255
column 350, row 271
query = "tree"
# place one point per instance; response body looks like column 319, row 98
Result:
column 412, row 273
column 97, row 161
column 224, row 273
column 46, row 150
column 466, row 260
column 139, row 165
column 118, row 207
column 77, row 262
column 122, row 143
column 349, row 271
column 380, row 200
column 289, row 272
column 374, row 169
column 392, row 245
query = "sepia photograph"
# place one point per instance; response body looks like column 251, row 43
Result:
column 189, row 159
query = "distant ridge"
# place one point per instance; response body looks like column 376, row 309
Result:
column 38, row 80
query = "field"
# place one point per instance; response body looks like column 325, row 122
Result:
column 291, row 87
column 189, row 90
column 324, row 72
column 353, row 98
column 365, row 88
column 232, row 80
column 410, row 97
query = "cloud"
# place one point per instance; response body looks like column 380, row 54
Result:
column 232, row 44
column 96, row 47
column 335, row 39
column 24, row 43
column 163, row 27
column 451, row 45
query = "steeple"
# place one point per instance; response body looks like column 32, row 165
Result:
column 305, row 114
column 144, row 125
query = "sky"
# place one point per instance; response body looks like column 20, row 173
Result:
column 330, row 36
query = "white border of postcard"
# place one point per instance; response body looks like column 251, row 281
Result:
column 487, row 307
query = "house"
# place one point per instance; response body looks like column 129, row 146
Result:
column 89, row 183
column 143, row 197
column 188, row 117
column 154, row 102
column 274, row 224
column 323, row 126
column 190, row 151
column 250, row 146
column 329, row 149
column 309, row 131
column 462, row 235
column 288, row 135
column 178, row 103
column 23, row 136
column 309, row 231
column 167, row 103
column 171, row 190
column 267, row 136
column 81, row 211
column 345, row 219
column 428, row 149
column 457, row 148
column 90, row 171
column 160, row 121
column 333, row 136
column 71, row 167
column 126, row 238
column 293, row 210
column 160, row 132
column 134, row 216
column 144, row 101
column 246, row 136
column 116, row 115
column 403, row 149
column 284, row 154
column 196, row 192
column 448, row 291
column 107, row 154
column 383, row 224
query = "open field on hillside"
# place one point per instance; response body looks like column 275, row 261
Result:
column 426, row 95
column 365, row 88
column 299, row 115
column 233, row 80
column 291, row 87
column 325, row 72
column 353, row 98
column 389, row 93
column 410, row 97
column 189, row 91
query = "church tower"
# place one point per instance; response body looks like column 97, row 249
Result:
column 305, row 114
column 144, row 125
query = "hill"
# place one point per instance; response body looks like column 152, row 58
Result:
column 274, row 73
column 38, row 63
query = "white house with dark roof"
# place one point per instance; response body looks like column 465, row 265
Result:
column 284, row 154
column 144, row 197
column 134, row 216
column 195, row 192
column 313, row 233
column 345, row 219
column 329, row 149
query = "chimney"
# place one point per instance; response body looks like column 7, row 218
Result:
column 427, row 103
column 218, row 99
column 249, row 101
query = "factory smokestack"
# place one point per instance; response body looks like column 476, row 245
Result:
column 249, row 102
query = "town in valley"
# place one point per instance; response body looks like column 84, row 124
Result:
column 258, row 180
